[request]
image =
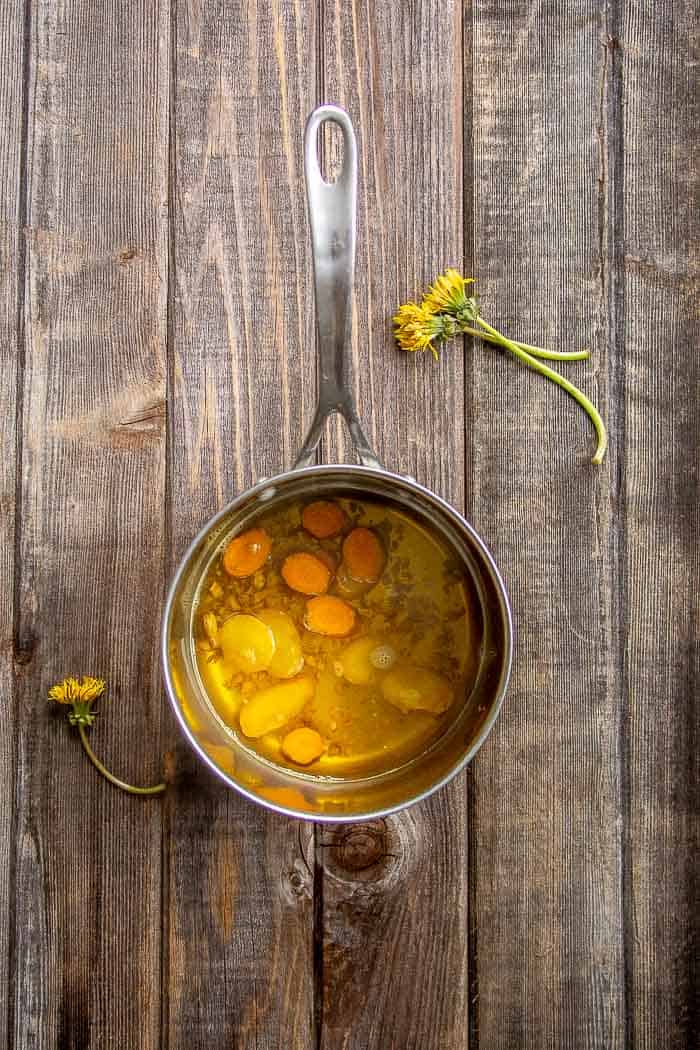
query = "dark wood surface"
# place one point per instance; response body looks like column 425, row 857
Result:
column 156, row 356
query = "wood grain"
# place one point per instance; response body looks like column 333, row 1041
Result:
column 546, row 821
column 85, row 934
column 11, row 253
column 393, row 909
column 659, row 390
column 156, row 357
column 242, row 384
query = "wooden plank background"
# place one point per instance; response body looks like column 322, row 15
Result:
column 89, row 541
column 156, row 356
column 238, row 896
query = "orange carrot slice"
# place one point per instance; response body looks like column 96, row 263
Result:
column 303, row 745
column 330, row 616
column 363, row 556
column 323, row 519
column 306, row 573
column 247, row 553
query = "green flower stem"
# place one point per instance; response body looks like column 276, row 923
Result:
column 572, row 390
column 157, row 789
column 533, row 351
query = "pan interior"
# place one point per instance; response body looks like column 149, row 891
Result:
column 350, row 793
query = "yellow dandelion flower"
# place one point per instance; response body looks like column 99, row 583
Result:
column 80, row 696
column 64, row 692
column 416, row 328
column 447, row 310
column 71, row 691
column 91, row 689
column 447, row 294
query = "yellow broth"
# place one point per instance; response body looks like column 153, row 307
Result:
column 348, row 704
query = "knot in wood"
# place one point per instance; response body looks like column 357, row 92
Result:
column 297, row 883
column 360, row 852
column 126, row 255
column 361, row 847
column 24, row 647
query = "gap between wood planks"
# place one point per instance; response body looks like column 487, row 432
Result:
column 165, row 865
column 612, row 310
column 23, row 646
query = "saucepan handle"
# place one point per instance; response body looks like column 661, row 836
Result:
column 332, row 215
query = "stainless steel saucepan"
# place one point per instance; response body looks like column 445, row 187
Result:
column 332, row 208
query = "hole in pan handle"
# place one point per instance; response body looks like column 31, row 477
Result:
column 332, row 215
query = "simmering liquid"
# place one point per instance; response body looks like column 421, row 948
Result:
column 337, row 637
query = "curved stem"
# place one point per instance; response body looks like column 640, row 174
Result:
column 555, row 355
column 572, row 390
column 534, row 351
column 157, row 789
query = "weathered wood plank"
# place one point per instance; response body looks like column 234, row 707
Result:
column 11, row 253
column 581, row 222
column 242, row 384
column 85, row 934
column 394, row 894
column 658, row 307
column 546, row 850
